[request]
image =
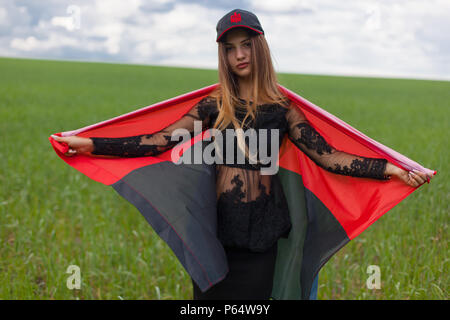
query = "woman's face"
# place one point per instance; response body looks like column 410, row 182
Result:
column 238, row 49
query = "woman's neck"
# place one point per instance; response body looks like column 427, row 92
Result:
column 245, row 87
column 245, row 90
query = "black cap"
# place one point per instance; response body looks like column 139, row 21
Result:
column 238, row 18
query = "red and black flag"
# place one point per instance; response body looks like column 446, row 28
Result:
column 179, row 199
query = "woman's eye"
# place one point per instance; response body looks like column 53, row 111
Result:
column 247, row 44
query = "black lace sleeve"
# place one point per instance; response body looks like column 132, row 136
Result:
column 308, row 140
column 158, row 142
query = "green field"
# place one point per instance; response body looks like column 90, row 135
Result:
column 52, row 216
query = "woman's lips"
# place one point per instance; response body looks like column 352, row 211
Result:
column 242, row 65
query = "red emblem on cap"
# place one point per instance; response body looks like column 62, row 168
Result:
column 236, row 17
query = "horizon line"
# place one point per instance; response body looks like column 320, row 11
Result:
column 183, row 66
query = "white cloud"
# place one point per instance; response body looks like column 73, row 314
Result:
column 284, row 6
column 4, row 17
column 184, row 35
column 339, row 40
column 361, row 37
column 32, row 44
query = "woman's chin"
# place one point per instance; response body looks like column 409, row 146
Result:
column 242, row 73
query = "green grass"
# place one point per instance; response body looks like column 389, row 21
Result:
column 52, row 216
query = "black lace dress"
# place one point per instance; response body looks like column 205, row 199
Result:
column 249, row 214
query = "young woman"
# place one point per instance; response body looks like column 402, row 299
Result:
column 249, row 221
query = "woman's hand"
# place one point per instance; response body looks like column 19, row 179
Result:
column 77, row 145
column 412, row 178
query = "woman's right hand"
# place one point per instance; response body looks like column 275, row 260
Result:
column 77, row 145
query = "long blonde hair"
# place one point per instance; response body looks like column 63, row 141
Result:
column 264, row 87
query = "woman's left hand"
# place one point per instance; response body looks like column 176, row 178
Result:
column 412, row 178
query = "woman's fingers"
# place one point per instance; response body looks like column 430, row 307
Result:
column 423, row 176
column 58, row 138
column 411, row 181
column 70, row 153
column 417, row 177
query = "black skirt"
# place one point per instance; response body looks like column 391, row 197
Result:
column 250, row 276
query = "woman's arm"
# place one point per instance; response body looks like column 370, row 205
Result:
column 308, row 140
column 413, row 178
column 145, row 144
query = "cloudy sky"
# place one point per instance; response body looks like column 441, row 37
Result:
column 382, row 38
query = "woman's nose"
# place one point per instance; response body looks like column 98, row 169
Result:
column 240, row 54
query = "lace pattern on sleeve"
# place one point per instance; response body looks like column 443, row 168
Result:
column 158, row 142
column 308, row 140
